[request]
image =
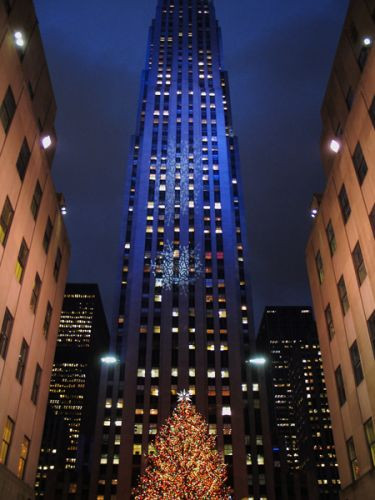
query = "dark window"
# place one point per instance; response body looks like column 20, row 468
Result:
column 47, row 319
column 360, row 164
column 362, row 57
column 331, row 238
column 329, row 322
column 354, row 465
column 7, row 109
column 356, row 363
column 23, row 159
column 8, row 5
column 372, row 112
column 6, row 440
column 47, row 235
column 22, row 359
column 56, row 269
column 372, row 219
column 24, row 452
column 6, row 218
column 370, row 437
column 344, row 204
column 353, row 33
column 343, row 295
column 21, row 261
column 37, row 198
column 371, row 329
column 349, row 98
column 359, row 264
column 340, row 386
column 319, row 267
column 35, row 293
column 36, row 384
column 5, row 333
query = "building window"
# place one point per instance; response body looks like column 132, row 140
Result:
column 371, row 329
column 56, row 268
column 6, row 218
column 356, row 363
column 23, row 159
column 344, row 204
column 340, row 386
column 354, row 465
column 47, row 319
column 47, row 235
column 362, row 57
column 6, row 440
column 349, row 98
column 359, row 264
column 22, row 359
column 37, row 198
column 329, row 322
column 372, row 112
column 5, row 333
column 35, row 293
column 7, row 109
column 25, row 445
column 331, row 238
column 319, row 267
column 372, row 219
column 36, row 384
column 21, row 261
column 360, row 164
column 343, row 295
column 370, row 437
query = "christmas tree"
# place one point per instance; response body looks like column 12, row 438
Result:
column 184, row 463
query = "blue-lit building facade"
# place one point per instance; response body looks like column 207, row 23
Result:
column 185, row 317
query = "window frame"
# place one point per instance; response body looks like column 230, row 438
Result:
column 331, row 238
column 344, row 204
column 371, row 330
column 22, row 361
column 6, row 219
column 359, row 163
column 23, row 159
column 47, row 319
column 353, row 460
column 36, row 200
column 35, row 293
column 8, row 109
column 6, row 441
column 57, row 265
column 359, row 264
column 370, row 438
column 329, row 322
column 6, row 332
column 36, row 383
column 340, row 386
column 24, row 455
column 343, row 295
column 22, row 258
column 319, row 266
column 47, row 237
column 355, row 359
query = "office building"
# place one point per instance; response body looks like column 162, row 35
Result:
column 34, row 249
column 341, row 251
column 298, row 401
column 185, row 315
column 82, row 340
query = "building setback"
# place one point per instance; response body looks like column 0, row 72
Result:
column 185, row 314
column 341, row 251
column 34, row 249
column 298, row 400
column 82, row 340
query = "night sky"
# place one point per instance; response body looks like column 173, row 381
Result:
column 278, row 55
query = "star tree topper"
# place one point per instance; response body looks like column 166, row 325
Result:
column 183, row 396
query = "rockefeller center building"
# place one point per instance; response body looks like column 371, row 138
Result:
column 185, row 314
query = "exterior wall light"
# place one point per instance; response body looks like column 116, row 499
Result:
column 367, row 41
column 46, row 141
column 258, row 361
column 334, row 146
column 18, row 38
column 314, row 213
column 109, row 360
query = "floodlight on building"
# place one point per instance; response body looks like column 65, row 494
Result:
column 257, row 360
column 109, row 359
column 18, row 38
column 314, row 213
column 334, row 146
column 46, row 141
column 367, row 41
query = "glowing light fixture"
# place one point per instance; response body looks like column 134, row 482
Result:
column 46, row 141
column 258, row 361
column 334, row 146
column 18, row 38
column 64, row 210
column 109, row 359
column 314, row 213
column 367, row 41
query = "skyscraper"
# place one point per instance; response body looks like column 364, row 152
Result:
column 340, row 252
column 34, row 248
column 185, row 317
column 298, row 400
column 82, row 340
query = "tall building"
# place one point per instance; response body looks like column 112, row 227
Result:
column 185, row 316
column 82, row 340
column 341, row 251
column 34, row 249
column 298, row 400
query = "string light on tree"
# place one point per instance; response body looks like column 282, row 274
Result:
column 184, row 462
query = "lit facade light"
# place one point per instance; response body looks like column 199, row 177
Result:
column 258, row 361
column 367, row 41
column 46, row 141
column 64, row 210
column 314, row 213
column 18, row 38
column 109, row 360
column 334, row 146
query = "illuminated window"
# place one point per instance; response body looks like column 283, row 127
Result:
column 353, row 459
column 370, row 437
column 6, row 218
column 226, row 410
column 228, row 449
column 23, row 457
column 6, row 440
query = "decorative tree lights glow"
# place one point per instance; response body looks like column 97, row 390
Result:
column 177, row 267
column 183, row 463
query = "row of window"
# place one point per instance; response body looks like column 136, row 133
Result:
column 5, row 445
